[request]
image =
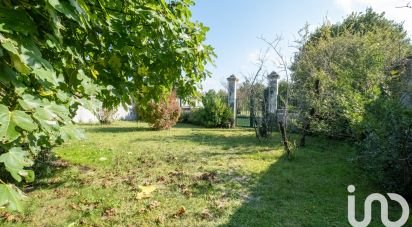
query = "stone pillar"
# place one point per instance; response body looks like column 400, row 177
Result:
column 232, row 80
column 273, row 92
column 271, row 98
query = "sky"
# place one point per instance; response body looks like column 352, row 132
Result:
column 236, row 25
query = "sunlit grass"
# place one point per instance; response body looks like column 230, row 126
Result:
column 201, row 177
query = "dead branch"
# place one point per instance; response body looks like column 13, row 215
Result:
column 408, row 5
column 274, row 45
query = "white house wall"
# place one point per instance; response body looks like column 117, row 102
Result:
column 85, row 116
column 128, row 114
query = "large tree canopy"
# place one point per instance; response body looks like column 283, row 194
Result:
column 341, row 68
column 58, row 54
column 348, row 79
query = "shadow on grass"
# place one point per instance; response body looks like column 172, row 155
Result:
column 225, row 142
column 186, row 125
column 50, row 175
column 285, row 196
column 232, row 144
column 310, row 190
column 137, row 128
column 114, row 129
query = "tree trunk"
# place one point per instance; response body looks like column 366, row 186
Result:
column 252, row 112
column 306, row 127
column 302, row 142
column 306, row 124
column 284, row 138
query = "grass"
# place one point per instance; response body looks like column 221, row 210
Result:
column 242, row 121
column 126, row 174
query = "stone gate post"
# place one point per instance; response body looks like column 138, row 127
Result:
column 272, row 99
column 273, row 92
column 232, row 82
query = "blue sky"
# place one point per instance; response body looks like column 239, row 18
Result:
column 236, row 24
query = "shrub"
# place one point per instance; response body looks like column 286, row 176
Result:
column 215, row 112
column 161, row 115
column 195, row 117
column 184, row 117
column 386, row 150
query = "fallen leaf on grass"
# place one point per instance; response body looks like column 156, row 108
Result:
column 206, row 214
column 153, row 205
column 145, row 191
column 75, row 207
column 185, row 190
column 108, row 213
column 160, row 220
column 209, row 176
column 161, row 179
column 9, row 217
column 142, row 210
column 176, row 173
column 180, row 212
column 84, row 206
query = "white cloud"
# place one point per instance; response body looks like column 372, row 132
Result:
column 388, row 6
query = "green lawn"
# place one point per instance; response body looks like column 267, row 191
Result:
column 192, row 177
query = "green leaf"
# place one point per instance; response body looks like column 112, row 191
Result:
column 65, row 8
column 46, row 119
column 28, row 102
column 70, row 132
column 46, row 75
column 15, row 160
column 10, row 45
column 60, row 111
column 16, row 20
column 9, row 121
column 7, row 75
column 19, row 65
column 11, row 197
column 8, row 131
column 23, row 120
column 28, row 175
column 62, row 96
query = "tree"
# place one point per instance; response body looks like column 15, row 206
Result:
column 253, row 91
column 247, row 95
column 282, row 94
column 285, row 68
column 349, row 78
column 339, row 69
column 56, row 55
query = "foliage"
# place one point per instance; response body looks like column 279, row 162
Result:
column 282, row 90
column 184, row 117
column 162, row 114
column 246, row 92
column 56, row 55
column 214, row 113
column 194, row 117
column 348, row 81
column 386, row 150
column 340, row 69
